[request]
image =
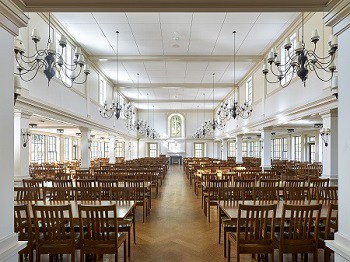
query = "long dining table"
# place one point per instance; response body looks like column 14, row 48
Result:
column 230, row 209
column 124, row 208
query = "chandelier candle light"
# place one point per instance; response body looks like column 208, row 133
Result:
column 50, row 61
column 300, row 60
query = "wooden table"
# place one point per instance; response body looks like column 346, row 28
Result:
column 231, row 210
column 124, row 208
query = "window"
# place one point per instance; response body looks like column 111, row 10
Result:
column 277, row 148
column 52, row 149
column 175, row 126
column 66, row 151
column 285, row 57
column 67, row 55
column 75, row 150
column 153, row 150
column 95, row 149
column 101, row 91
column 244, row 149
column 119, row 149
column 256, row 149
column 297, row 148
column 284, row 148
column 106, row 148
column 249, row 91
column 231, row 149
column 38, row 148
column 199, row 150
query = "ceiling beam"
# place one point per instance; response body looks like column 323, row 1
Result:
column 175, row 85
column 175, row 5
column 177, row 58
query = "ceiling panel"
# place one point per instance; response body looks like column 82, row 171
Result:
column 241, row 18
column 75, row 18
column 206, row 18
column 142, row 18
column 175, row 18
column 110, row 18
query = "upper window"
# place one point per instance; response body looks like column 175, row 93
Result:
column 38, row 148
column 199, row 150
column 67, row 55
column 249, row 91
column 101, row 91
column 119, row 149
column 244, row 149
column 175, row 126
column 231, row 149
column 66, row 152
column 285, row 57
column 153, row 150
column 52, row 149
column 297, row 148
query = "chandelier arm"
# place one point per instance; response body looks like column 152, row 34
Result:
column 21, row 76
column 323, row 80
column 319, row 66
column 313, row 53
column 290, row 59
column 30, row 57
column 66, row 85
column 287, row 83
column 34, row 67
column 82, row 82
column 271, row 82
column 26, row 62
column 273, row 71
column 71, row 67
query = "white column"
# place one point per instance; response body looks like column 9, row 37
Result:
column 289, row 145
column 61, row 153
column 239, row 156
column 339, row 19
column 224, row 149
column 111, row 150
column 317, row 148
column 330, row 152
column 85, row 147
column 9, row 23
column 21, row 150
column 266, row 150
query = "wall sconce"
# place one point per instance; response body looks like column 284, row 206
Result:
column 17, row 88
column 90, row 142
column 325, row 133
column 26, row 134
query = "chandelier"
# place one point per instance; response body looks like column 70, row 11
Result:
column 50, row 60
column 115, row 108
column 301, row 61
column 215, row 124
column 139, row 125
column 204, row 129
column 244, row 111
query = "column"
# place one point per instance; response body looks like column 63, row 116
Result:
column 85, row 144
column 266, row 150
column 289, row 150
column 339, row 19
column 11, row 19
column 61, row 153
column 239, row 144
column 111, row 150
column 21, row 152
column 317, row 147
column 330, row 152
column 224, row 149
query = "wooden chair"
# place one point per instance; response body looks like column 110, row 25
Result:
column 106, row 185
column 244, row 182
column 296, row 194
column 266, row 194
column 211, row 196
column 33, row 183
column 101, row 235
column 62, row 183
column 27, row 193
column 124, row 225
column 273, row 182
column 255, row 231
column 54, row 231
column 300, row 231
column 330, row 229
column 315, row 183
column 327, row 193
column 88, row 193
column 295, row 182
column 23, row 227
column 58, row 193
column 140, row 196
column 85, row 182
column 230, row 196
column 83, row 174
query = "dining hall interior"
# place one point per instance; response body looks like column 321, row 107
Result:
column 174, row 130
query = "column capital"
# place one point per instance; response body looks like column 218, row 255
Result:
column 12, row 17
column 339, row 17
column 24, row 114
column 329, row 113
column 84, row 129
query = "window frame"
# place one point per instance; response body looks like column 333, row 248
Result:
column 38, row 148
column 102, row 91
column 198, row 152
column 52, row 149
column 119, row 149
column 152, row 152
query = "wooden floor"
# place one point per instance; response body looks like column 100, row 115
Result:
column 177, row 229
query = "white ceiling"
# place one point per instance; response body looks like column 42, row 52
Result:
column 151, row 34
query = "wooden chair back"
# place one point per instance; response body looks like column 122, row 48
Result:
column 266, row 194
column 331, row 222
column 62, row 183
column 27, row 193
column 244, row 182
column 273, row 182
column 85, row 183
column 106, row 185
column 295, row 182
column 88, row 193
column 296, row 194
column 122, row 193
column 23, row 224
column 58, row 193
column 329, row 193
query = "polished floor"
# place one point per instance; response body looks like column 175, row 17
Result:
column 177, row 230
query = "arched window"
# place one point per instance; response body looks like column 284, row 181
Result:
column 175, row 126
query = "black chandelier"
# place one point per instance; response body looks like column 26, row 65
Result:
column 301, row 61
column 115, row 108
column 244, row 111
column 50, row 60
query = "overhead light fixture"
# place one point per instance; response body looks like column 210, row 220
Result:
column 244, row 111
column 115, row 108
column 325, row 133
column 50, row 60
column 78, row 134
column 290, row 130
column 33, row 125
column 301, row 61
column 60, row 131
column 273, row 133
column 318, row 125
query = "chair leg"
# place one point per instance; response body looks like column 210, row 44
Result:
column 316, row 256
column 129, row 242
column 272, row 256
column 225, row 241
column 37, row 256
column 72, row 256
column 280, row 257
column 326, row 255
column 229, row 251
column 125, row 251
column 208, row 210
column 21, row 257
column 81, row 256
column 219, row 228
